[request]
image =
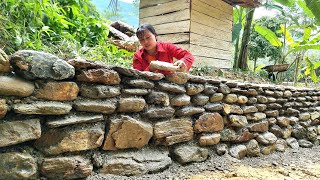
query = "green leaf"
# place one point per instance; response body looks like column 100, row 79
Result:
column 306, row 10
column 287, row 33
column 236, row 31
column 305, row 47
column 288, row 3
column 269, row 35
column 306, row 34
column 314, row 6
column 314, row 40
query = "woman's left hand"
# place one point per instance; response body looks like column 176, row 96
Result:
column 182, row 66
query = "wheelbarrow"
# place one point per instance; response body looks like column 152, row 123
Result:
column 275, row 68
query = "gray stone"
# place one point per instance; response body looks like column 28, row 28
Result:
column 312, row 133
column 140, row 83
column 232, row 109
column 74, row 119
column 209, row 89
column 123, row 167
column 238, row 151
column 224, row 89
column 274, row 106
column 39, row 65
column 165, row 112
column 267, row 138
column 283, row 121
column 304, row 116
column 262, row 99
column 131, row 104
column 266, row 150
column 138, row 92
column 231, row 98
column 287, row 93
column 8, row 86
column 228, row 134
column 293, row 143
column 171, row 87
column 216, row 97
column 256, row 116
column 96, row 91
column 272, row 121
column 252, row 100
column 281, row 145
column 66, row 167
column 158, row 98
column 238, row 121
column 44, row 108
column 15, row 132
column 150, row 75
column 305, row 143
column 291, row 111
column 16, row 165
column 249, row 109
column 99, row 106
column 180, row 100
column 272, row 113
column 261, row 107
column 299, row 132
column 222, row 149
column 199, row 100
column 278, row 94
column 268, row 92
column 187, row 154
column 189, row 111
column 213, row 107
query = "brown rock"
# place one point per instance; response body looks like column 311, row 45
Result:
column 103, row 76
column 209, row 140
column 56, row 141
column 8, row 86
column 193, row 89
column 127, row 133
column 4, row 62
column 178, row 78
column 99, row 106
column 242, row 100
column 58, row 91
column 173, row 131
column 232, row 109
column 216, row 97
column 209, row 122
column 131, row 104
column 66, row 167
column 259, row 127
column 238, row 121
column 231, row 98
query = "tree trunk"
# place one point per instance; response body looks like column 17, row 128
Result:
column 243, row 55
column 296, row 69
column 255, row 64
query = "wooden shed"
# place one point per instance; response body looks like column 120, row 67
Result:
column 204, row 27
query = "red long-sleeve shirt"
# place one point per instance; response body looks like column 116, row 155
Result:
column 165, row 52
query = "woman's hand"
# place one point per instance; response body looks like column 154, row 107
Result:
column 182, row 66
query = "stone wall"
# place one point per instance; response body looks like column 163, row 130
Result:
column 69, row 119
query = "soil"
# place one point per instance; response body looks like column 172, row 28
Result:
column 302, row 163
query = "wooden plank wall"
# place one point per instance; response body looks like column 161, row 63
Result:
column 211, row 33
column 170, row 18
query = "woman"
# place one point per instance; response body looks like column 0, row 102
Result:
column 152, row 50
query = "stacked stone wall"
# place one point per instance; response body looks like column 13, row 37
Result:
column 70, row 119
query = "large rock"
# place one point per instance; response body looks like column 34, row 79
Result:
column 39, row 65
column 186, row 154
column 209, row 122
column 97, row 91
column 57, row 91
column 17, row 166
column 129, row 163
column 267, row 138
column 158, row 98
column 44, row 108
column 127, row 132
column 3, row 108
column 56, row 141
column 15, row 132
column 171, row 87
column 178, row 78
column 99, row 106
column 4, row 62
column 8, row 86
column 66, row 167
column 180, row 100
column 173, row 131
column 74, row 119
column 102, row 76
column 200, row 100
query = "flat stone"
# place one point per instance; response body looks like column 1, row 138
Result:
column 33, row 65
column 163, row 112
column 209, row 122
column 127, row 132
column 98, row 106
column 304, row 116
column 102, row 76
column 15, row 132
column 187, row 154
column 180, row 100
column 44, row 108
column 3, row 108
column 272, row 113
column 261, row 107
column 256, row 116
column 140, row 83
column 244, row 135
column 131, row 104
column 200, row 100
column 266, row 138
column 238, row 151
column 283, row 121
column 209, row 89
column 4, row 62
column 66, row 167
column 232, row 109
column 262, row 126
column 74, row 119
column 213, row 107
column 197, row 79
column 242, row 100
column 151, row 75
column 209, row 140
column 249, row 109
column 305, row 143
column 8, row 86
column 216, row 97
column 123, row 167
column 138, row 92
column 274, row 106
column 252, row 100
column 193, row 89
column 171, row 87
column 238, row 121
column 96, row 91
column 173, row 131
column 287, row 93
column 293, row 143
column 251, row 92
column 262, row 99
column 189, row 111
column 231, row 98
column 224, row 89
column 57, row 141
column 57, row 91
column 178, row 77
column 266, row 150
column 16, row 165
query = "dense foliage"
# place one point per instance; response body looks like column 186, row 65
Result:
column 62, row 27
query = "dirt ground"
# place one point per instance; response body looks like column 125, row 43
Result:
column 302, row 163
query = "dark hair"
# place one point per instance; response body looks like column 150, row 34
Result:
column 143, row 28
